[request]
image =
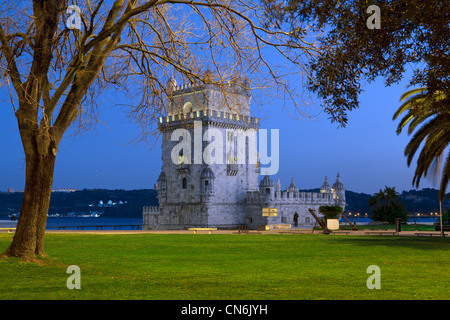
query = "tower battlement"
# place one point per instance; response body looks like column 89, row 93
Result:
column 150, row 210
column 290, row 197
column 268, row 193
column 218, row 117
column 235, row 87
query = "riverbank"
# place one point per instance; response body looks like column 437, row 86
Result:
column 118, row 225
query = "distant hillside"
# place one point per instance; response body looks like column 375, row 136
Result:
column 425, row 200
column 116, row 203
column 129, row 203
column 357, row 202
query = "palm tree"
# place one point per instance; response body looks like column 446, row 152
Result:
column 385, row 197
column 386, row 206
column 331, row 212
column 432, row 112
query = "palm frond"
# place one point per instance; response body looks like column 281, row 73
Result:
column 445, row 177
column 411, row 92
column 431, row 112
column 418, row 138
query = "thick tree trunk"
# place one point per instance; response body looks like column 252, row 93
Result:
column 40, row 139
column 28, row 240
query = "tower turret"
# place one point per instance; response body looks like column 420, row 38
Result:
column 292, row 187
column 162, row 187
column 266, row 187
column 338, row 190
column 325, row 188
column 278, row 190
column 207, row 179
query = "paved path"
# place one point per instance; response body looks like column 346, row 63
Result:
column 277, row 231
column 293, row 231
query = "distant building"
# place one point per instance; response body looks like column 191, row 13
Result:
column 10, row 190
column 64, row 190
column 414, row 197
column 223, row 195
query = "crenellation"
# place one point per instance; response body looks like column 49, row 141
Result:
column 226, row 118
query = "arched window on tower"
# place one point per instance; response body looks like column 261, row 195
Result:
column 184, row 183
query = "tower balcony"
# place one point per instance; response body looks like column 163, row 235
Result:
column 232, row 169
column 182, row 168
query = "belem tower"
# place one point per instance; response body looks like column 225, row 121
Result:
column 195, row 192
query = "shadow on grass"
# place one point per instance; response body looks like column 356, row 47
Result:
column 417, row 243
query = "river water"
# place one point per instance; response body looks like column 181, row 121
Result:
column 91, row 223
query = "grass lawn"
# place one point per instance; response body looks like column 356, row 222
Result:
column 253, row 267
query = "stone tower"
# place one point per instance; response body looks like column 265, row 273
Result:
column 207, row 151
column 210, row 170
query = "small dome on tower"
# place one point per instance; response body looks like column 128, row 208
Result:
column 338, row 185
column 207, row 173
column 266, row 182
column 326, row 186
column 292, row 186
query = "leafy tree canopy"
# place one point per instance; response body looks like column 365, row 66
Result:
column 412, row 33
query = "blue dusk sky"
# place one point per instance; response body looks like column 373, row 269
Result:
column 367, row 153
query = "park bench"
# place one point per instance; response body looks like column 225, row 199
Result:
column 294, row 232
column 340, row 232
column 9, row 229
column 281, row 226
column 429, row 234
column 381, row 232
column 202, row 229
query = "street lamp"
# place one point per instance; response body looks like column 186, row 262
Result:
column 440, row 202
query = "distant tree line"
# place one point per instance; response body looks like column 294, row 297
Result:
column 87, row 201
column 424, row 200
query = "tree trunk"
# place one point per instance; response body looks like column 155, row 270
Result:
column 28, row 240
column 40, row 139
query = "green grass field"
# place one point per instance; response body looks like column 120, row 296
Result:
column 216, row 267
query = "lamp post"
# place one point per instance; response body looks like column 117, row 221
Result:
column 440, row 202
